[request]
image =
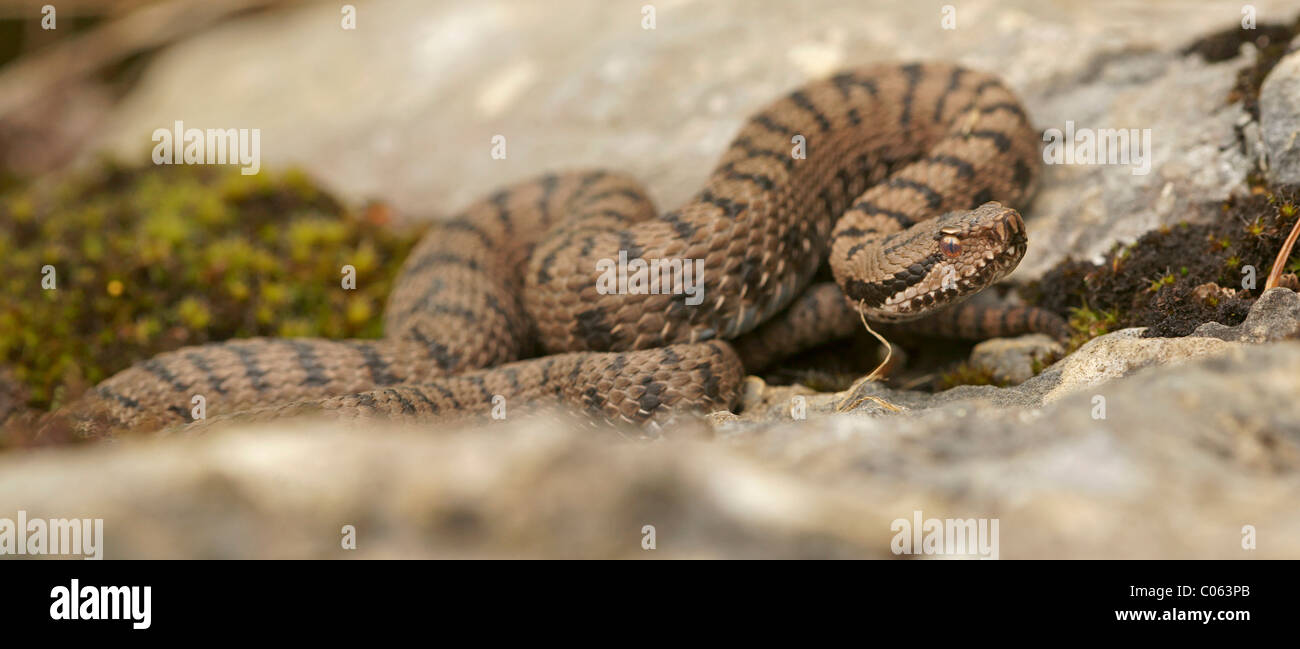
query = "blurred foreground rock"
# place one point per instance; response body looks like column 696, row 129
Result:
column 1195, row 438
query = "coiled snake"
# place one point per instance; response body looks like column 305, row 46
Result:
column 888, row 172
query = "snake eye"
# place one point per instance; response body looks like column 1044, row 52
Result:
column 950, row 246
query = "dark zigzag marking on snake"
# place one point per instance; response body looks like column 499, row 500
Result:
column 753, row 151
column 512, row 375
column 729, row 207
column 712, row 384
column 618, row 216
column 441, row 355
column 408, row 408
column 477, row 381
column 626, row 242
column 875, row 293
column 999, row 139
column 1010, row 107
column 913, row 73
column 905, row 221
column 585, row 184
column 255, row 374
column 772, row 125
column 1022, row 174
column 201, row 364
column 801, row 100
column 367, row 400
column 436, row 286
column 380, row 372
column 964, row 169
column 498, row 200
column 892, row 243
column 548, row 183
column 465, row 225
column 433, row 407
column 444, row 258
column 954, row 81
column 107, row 393
column 611, row 193
column 933, row 199
column 156, row 368
column 764, row 182
column 593, row 328
column 848, row 80
column 985, row 85
column 446, row 393
column 309, row 363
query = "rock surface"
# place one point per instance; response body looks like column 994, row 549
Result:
column 1279, row 116
column 1015, row 360
column 1274, row 316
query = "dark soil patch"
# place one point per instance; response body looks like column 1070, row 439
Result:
column 1153, row 282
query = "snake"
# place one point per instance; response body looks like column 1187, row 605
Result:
column 903, row 178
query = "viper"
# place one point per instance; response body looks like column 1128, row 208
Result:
column 903, row 178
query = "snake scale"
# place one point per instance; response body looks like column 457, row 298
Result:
column 900, row 187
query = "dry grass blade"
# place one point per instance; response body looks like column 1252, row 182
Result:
column 1279, row 264
column 844, row 406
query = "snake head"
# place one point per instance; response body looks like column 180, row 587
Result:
column 937, row 263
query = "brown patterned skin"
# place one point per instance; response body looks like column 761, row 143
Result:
column 901, row 165
column 821, row 314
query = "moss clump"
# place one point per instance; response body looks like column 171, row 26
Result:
column 967, row 374
column 1137, row 284
column 1086, row 324
column 148, row 260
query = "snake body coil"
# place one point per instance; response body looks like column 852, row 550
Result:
column 889, row 172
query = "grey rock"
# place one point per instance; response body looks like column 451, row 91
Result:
column 1274, row 316
column 1113, row 356
column 1016, row 360
column 1194, row 157
column 1279, row 116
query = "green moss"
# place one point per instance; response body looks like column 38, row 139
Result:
column 967, row 374
column 1087, row 323
column 1256, row 228
column 152, row 259
column 1164, row 280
